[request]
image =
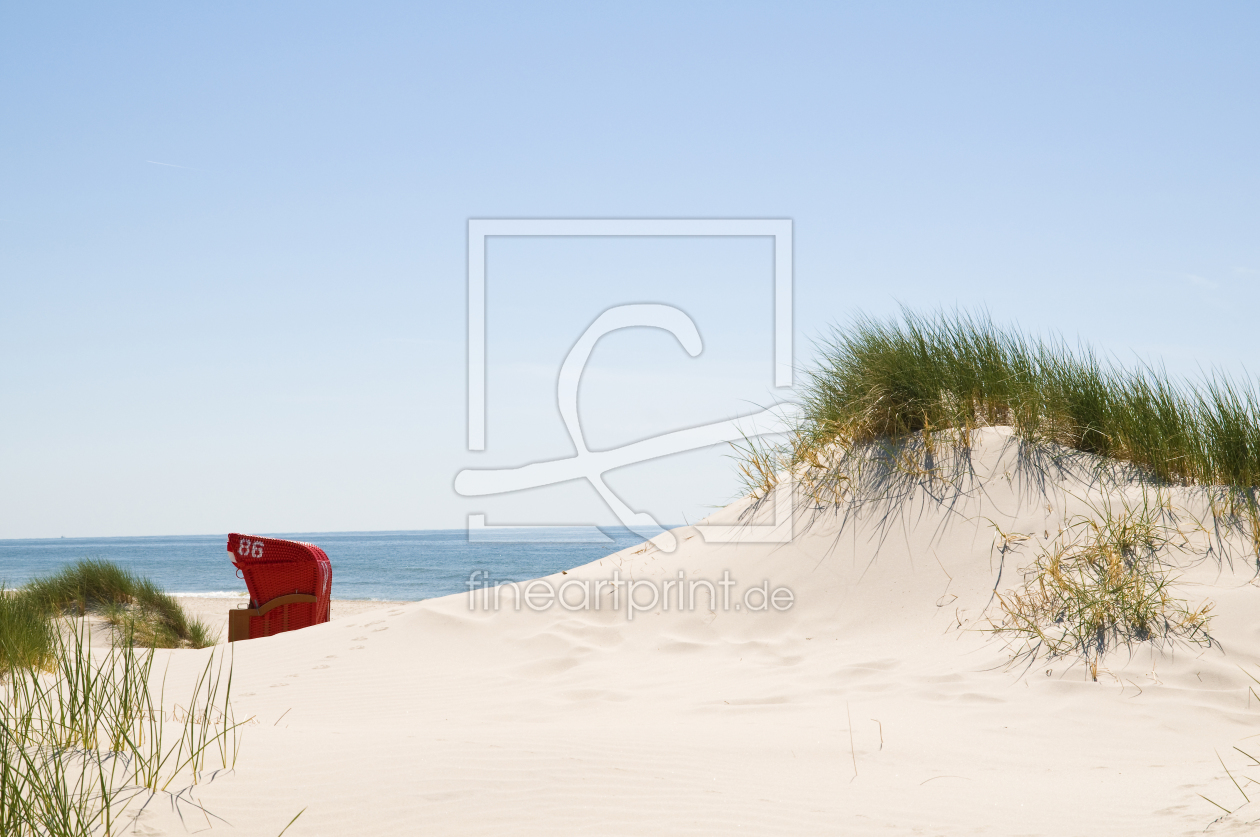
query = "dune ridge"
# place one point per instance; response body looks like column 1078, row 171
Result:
column 880, row 702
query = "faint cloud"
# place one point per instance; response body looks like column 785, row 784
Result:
column 1246, row 271
column 1201, row 281
column 171, row 165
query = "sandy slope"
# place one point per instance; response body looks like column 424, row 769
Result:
column 874, row 705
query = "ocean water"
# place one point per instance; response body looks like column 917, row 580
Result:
column 401, row 566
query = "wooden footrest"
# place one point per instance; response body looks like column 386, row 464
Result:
column 238, row 620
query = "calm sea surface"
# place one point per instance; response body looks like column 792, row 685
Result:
column 403, row 566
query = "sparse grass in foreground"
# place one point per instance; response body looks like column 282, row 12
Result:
column 1101, row 583
column 135, row 606
column 80, row 741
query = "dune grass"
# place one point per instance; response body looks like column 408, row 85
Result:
column 904, row 386
column 927, row 374
column 81, row 737
column 26, row 633
column 1103, row 582
column 139, row 611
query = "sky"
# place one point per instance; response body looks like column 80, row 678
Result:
column 233, row 236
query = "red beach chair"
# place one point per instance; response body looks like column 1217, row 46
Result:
column 290, row 585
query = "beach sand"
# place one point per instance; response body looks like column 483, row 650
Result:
column 879, row 703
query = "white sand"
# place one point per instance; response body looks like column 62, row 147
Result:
column 874, row 706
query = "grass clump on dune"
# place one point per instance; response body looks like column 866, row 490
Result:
column 1103, row 582
column 901, row 386
column 931, row 373
column 140, row 612
column 26, row 634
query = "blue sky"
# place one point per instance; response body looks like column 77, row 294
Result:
column 232, row 236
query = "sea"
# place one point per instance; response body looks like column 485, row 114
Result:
column 382, row 566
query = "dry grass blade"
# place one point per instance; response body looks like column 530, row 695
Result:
column 295, row 817
column 759, row 466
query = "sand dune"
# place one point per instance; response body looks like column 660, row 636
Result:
column 878, row 703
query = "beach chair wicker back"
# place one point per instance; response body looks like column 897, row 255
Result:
column 290, row 585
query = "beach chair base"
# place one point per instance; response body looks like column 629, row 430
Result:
column 238, row 620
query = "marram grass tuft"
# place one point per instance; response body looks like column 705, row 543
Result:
column 887, row 393
column 136, row 607
column 953, row 373
column 1103, row 582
